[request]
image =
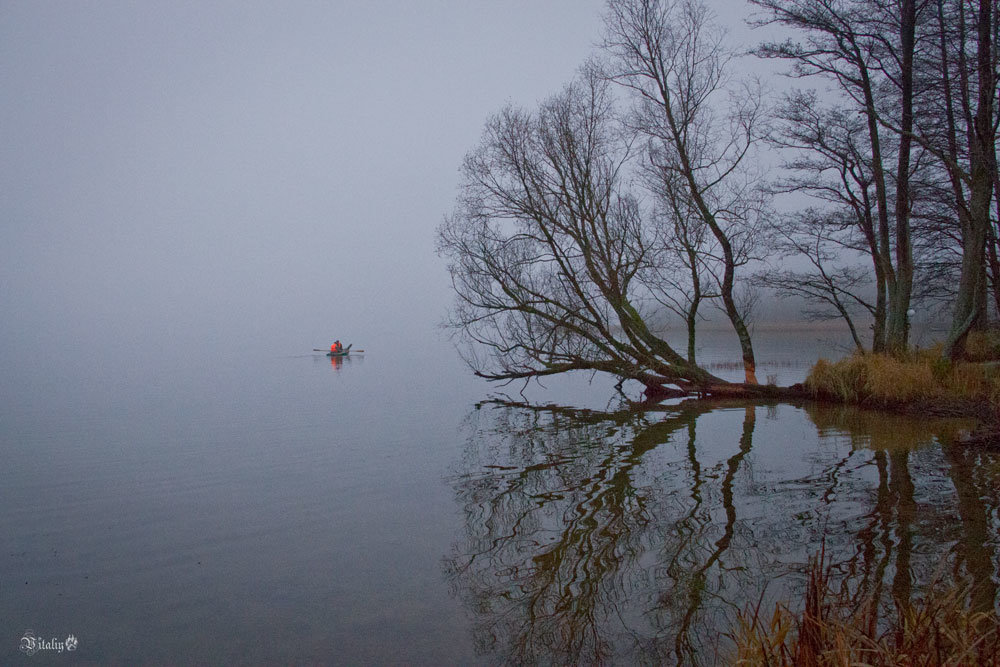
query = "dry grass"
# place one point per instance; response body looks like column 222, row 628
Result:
column 983, row 345
column 832, row 630
column 882, row 380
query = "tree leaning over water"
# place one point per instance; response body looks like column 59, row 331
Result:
column 551, row 257
column 578, row 224
column 558, row 259
column 700, row 132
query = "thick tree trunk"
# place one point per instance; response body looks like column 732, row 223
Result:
column 992, row 239
column 897, row 336
column 692, row 331
column 746, row 345
column 970, row 300
column 968, row 308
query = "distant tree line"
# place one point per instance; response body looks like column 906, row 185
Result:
column 641, row 187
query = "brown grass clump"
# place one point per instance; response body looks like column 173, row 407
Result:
column 922, row 376
column 832, row 630
column 983, row 345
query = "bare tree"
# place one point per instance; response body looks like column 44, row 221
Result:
column 935, row 62
column 550, row 257
column 830, row 161
column 834, row 284
column 686, row 246
column 673, row 59
column 867, row 48
column 971, row 164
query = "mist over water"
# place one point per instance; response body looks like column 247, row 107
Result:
column 192, row 182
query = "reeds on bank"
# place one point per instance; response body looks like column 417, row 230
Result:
column 835, row 629
column 921, row 376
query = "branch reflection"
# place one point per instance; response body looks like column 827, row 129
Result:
column 623, row 536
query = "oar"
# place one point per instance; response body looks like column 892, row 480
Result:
column 316, row 349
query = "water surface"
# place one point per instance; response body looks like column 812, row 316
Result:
column 278, row 507
column 625, row 537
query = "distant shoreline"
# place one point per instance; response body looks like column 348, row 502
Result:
column 805, row 326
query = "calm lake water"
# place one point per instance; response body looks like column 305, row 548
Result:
column 287, row 509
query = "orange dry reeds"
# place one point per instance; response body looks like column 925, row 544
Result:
column 833, row 629
column 877, row 379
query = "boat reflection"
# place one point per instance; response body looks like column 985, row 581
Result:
column 635, row 537
column 337, row 363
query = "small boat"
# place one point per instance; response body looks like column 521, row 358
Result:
column 343, row 353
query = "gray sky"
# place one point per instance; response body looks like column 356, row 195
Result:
column 265, row 175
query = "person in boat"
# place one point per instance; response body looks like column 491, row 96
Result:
column 336, row 348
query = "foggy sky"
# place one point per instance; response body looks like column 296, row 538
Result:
column 254, row 174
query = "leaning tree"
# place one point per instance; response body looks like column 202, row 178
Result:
column 577, row 223
column 551, row 257
column 701, row 131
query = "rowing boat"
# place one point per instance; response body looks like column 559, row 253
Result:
column 343, row 353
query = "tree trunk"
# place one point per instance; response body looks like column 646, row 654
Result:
column 692, row 327
column 882, row 255
column 991, row 247
column 970, row 301
column 878, row 326
column 746, row 345
column 897, row 336
column 992, row 240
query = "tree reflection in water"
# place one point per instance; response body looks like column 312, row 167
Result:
column 634, row 537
